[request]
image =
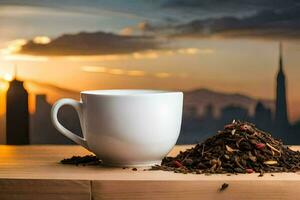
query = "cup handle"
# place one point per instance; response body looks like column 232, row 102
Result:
column 78, row 107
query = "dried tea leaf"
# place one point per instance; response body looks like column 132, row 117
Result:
column 270, row 162
column 213, row 161
column 236, row 160
column 213, row 167
column 223, row 187
column 229, row 149
column 233, row 132
column 253, row 158
column 188, row 161
column 238, row 142
column 273, row 148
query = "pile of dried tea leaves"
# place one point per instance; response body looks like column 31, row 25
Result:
column 86, row 161
column 82, row 160
column 239, row 148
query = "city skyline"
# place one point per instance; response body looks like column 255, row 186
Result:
column 198, row 123
column 274, row 120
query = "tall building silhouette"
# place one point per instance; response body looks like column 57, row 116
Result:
column 281, row 116
column 17, row 115
column 263, row 117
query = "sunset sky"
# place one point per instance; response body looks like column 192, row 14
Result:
column 229, row 46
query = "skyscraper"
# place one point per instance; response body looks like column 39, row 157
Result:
column 17, row 115
column 281, row 116
column 263, row 117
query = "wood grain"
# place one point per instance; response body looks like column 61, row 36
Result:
column 189, row 190
column 14, row 189
column 35, row 171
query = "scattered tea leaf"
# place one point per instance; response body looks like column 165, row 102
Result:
column 223, row 187
column 82, row 160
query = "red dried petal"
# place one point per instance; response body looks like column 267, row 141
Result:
column 249, row 171
column 246, row 127
column 177, row 163
column 229, row 126
column 260, row 145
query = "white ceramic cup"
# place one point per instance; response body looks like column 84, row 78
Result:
column 126, row 127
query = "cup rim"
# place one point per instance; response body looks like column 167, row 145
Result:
column 128, row 92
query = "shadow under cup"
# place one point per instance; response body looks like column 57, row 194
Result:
column 126, row 127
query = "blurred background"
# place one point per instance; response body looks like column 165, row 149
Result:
column 235, row 59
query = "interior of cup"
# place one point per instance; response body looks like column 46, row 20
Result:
column 124, row 92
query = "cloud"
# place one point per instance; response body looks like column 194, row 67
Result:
column 41, row 40
column 112, row 71
column 96, row 7
column 267, row 24
column 144, row 25
column 141, row 29
column 96, row 43
column 232, row 7
column 149, row 54
column 127, row 31
column 162, row 75
column 132, row 73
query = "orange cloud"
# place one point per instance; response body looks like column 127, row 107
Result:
column 143, row 25
column 116, row 71
column 127, row 31
column 13, row 46
column 162, row 75
column 134, row 73
column 84, row 43
column 41, row 40
column 94, row 69
column 150, row 54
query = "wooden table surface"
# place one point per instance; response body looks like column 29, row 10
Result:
column 34, row 172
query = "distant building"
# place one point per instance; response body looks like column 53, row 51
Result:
column 209, row 123
column 281, row 122
column 232, row 112
column 17, row 115
column 263, row 117
column 192, row 112
column 42, row 130
column 209, row 112
column 190, row 126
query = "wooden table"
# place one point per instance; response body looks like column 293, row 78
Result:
column 34, row 172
